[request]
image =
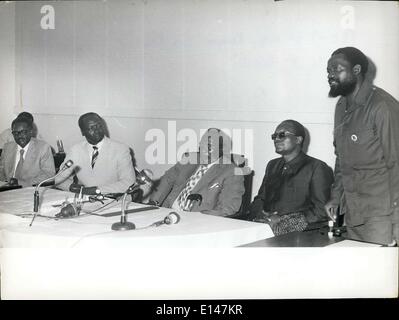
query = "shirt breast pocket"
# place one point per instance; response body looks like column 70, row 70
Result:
column 363, row 146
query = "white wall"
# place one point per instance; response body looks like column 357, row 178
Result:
column 231, row 64
column 7, row 64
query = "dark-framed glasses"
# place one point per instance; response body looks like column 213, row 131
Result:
column 17, row 133
column 281, row 135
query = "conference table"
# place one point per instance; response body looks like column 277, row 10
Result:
column 41, row 262
column 92, row 227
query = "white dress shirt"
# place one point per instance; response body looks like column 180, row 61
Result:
column 19, row 155
column 90, row 149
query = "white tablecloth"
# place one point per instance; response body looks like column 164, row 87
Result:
column 194, row 229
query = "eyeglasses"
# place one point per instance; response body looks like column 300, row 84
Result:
column 94, row 127
column 281, row 135
column 16, row 133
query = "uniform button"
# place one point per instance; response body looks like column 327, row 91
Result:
column 395, row 203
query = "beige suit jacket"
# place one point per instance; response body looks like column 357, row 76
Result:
column 113, row 171
column 221, row 187
column 38, row 164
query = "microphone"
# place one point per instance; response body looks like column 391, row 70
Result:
column 171, row 218
column 69, row 210
column 142, row 178
column 36, row 199
column 337, row 229
column 194, row 197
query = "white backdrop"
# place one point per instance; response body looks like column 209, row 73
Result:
column 232, row 64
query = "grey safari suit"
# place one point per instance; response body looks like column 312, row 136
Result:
column 221, row 187
column 366, row 139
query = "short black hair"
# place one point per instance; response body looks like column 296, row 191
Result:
column 22, row 120
column 26, row 115
column 354, row 56
column 298, row 128
column 83, row 117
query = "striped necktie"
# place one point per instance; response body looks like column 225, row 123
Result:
column 18, row 169
column 94, row 156
column 191, row 183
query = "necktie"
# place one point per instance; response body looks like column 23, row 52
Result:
column 18, row 169
column 94, row 156
column 182, row 200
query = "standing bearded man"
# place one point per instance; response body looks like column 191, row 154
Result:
column 366, row 140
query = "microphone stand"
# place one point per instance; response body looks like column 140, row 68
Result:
column 36, row 196
column 141, row 179
column 124, row 224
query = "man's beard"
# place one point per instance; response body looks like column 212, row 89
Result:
column 342, row 88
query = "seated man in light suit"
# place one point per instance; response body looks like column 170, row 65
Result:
column 25, row 161
column 6, row 135
column 100, row 164
column 208, row 173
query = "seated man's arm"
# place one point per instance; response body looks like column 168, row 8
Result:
column 256, row 207
column 230, row 197
column 165, row 185
column 337, row 190
column 125, row 173
column 320, row 190
column 66, row 178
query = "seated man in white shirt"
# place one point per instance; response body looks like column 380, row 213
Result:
column 209, row 174
column 25, row 161
column 101, row 165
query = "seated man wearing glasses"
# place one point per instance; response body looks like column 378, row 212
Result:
column 6, row 135
column 295, row 187
column 26, row 160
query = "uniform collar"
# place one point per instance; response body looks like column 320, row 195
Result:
column 361, row 98
column 364, row 93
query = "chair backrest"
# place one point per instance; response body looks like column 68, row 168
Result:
column 242, row 162
column 58, row 160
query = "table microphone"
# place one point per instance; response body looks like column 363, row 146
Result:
column 68, row 211
column 67, row 165
column 142, row 178
column 171, row 218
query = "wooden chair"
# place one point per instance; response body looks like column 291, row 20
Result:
column 241, row 162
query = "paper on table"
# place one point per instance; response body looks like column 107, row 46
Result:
column 352, row 243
